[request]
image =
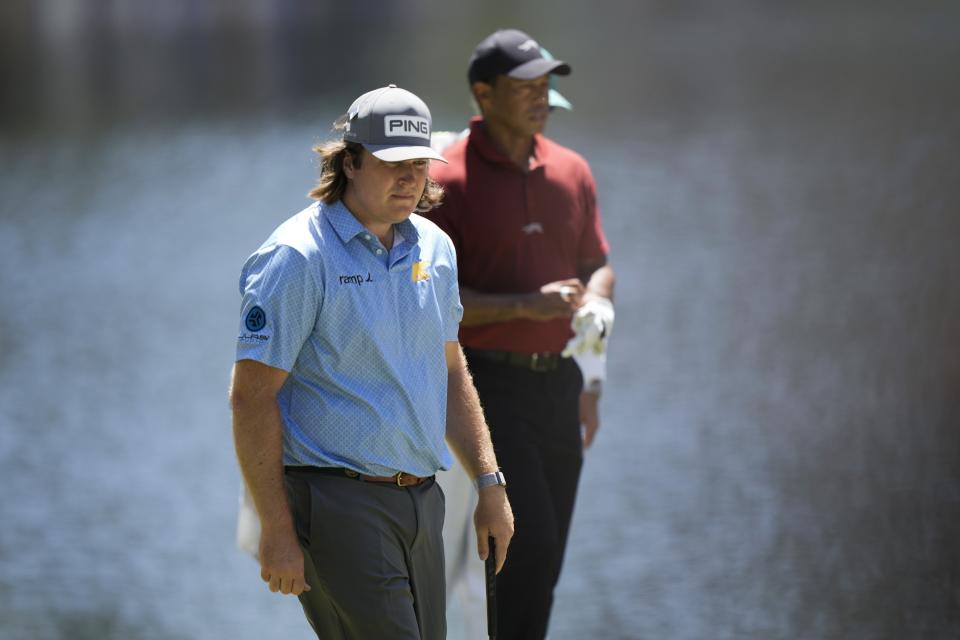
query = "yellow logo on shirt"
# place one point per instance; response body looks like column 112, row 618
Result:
column 418, row 271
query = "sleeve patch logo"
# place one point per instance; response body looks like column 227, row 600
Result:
column 418, row 272
column 256, row 319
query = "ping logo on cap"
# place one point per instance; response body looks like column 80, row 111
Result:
column 398, row 125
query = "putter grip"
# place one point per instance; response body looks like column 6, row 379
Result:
column 490, row 567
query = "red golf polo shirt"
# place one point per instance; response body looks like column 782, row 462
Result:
column 517, row 230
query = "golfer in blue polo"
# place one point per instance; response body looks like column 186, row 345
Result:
column 348, row 380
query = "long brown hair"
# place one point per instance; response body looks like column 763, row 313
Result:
column 333, row 180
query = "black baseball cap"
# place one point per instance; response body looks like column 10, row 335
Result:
column 513, row 53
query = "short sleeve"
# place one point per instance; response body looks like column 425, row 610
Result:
column 593, row 242
column 454, row 306
column 281, row 299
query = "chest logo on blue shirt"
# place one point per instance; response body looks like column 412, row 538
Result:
column 356, row 279
column 256, row 319
column 418, row 271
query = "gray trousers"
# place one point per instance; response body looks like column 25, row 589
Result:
column 373, row 557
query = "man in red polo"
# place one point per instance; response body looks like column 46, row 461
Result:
column 522, row 213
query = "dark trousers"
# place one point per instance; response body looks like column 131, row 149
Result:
column 373, row 557
column 534, row 420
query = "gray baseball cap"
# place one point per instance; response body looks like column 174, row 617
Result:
column 392, row 124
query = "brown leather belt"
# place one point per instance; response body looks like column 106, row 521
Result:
column 540, row 362
column 399, row 479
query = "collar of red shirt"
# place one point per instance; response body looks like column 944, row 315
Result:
column 482, row 141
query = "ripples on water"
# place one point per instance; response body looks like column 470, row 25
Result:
column 779, row 451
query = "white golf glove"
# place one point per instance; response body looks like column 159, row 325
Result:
column 592, row 325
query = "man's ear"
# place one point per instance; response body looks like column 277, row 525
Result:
column 348, row 167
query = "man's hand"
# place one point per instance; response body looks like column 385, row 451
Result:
column 281, row 562
column 493, row 517
column 589, row 416
column 554, row 300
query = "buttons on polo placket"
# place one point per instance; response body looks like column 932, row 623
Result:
column 373, row 244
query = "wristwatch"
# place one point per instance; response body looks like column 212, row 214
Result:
column 490, row 479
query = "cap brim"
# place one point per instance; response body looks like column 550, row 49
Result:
column 390, row 153
column 539, row 67
column 557, row 101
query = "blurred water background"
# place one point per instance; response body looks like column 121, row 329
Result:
column 780, row 450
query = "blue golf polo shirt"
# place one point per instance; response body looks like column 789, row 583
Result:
column 361, row 331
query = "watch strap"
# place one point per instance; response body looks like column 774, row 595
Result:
column 490, row 479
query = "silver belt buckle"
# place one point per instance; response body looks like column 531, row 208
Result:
column 538, row 364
